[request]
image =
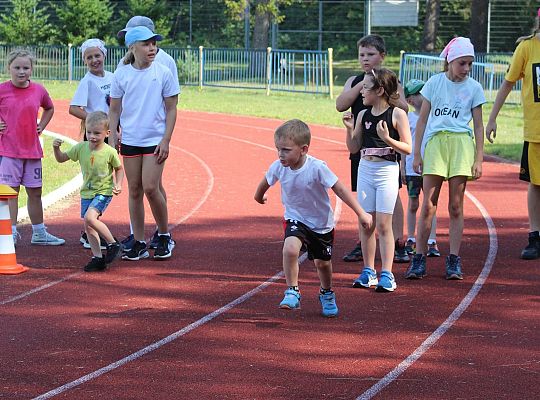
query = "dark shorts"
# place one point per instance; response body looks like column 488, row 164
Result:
column 414, row 185
column 530, row 163
column 318, row 245
column 136, row 151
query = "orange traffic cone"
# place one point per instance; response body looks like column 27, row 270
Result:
column 8, row 259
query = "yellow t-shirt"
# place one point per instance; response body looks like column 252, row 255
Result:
column 525, row 65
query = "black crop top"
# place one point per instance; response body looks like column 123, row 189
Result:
column 370, row 139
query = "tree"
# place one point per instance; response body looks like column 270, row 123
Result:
column 82, row 19
column 158, row 11
column 27, row 23
column 431, row 23
column 479, row 19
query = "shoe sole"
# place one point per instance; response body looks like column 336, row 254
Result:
column 86, row 245
column 47, row 243
column 526, row 257
column 357, row 284
column 454, row 277
column 164, row 257
column 286, row 307
column 433, row 254
column 414, row 276
column 382, row 289
column 140, row 257
column 330, row 315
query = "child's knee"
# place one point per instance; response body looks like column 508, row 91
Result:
column 455, row 210
column 323, row 265
column 413, row 204
column 291, row 246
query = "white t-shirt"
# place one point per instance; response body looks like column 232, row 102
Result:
column 92, row 92
column 451, row 104
column 304, row 193
column 164, row 58
column 409, row 158
column 143, row 107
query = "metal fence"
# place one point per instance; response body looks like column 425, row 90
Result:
column 270, row 69
column 488, row 68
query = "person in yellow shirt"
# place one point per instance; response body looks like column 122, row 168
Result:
column 525, row 65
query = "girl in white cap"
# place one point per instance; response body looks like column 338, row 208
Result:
column 94, row 89
column 453, row 151
column 144, row 96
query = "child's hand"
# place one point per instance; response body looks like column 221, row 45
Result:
column 57, row 142
column 417, row 164
column 366, row 220
column 348, row 120
column 382, row 131
column 477, row 170
column 117, row 189
column 261, row 200
column 491, row 129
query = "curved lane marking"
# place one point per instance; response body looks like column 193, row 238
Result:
column 454, row 316
column 181, row 332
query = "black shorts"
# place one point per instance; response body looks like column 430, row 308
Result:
column 318, row 245
column 414, row 185
column 136, row 151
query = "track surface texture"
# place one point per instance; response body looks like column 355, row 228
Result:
column 205, row 323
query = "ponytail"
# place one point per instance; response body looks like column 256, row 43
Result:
column 536, row 30
column 129, row 58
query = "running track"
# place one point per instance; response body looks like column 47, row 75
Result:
column 201, row 326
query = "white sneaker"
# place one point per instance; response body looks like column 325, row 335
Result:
column 44, row 238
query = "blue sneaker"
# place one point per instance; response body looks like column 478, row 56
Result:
column 128, row 242
column 417, row 267
column 387, row 283
column 367, row 278
column 453, row 267
column 328, row 303
column 155, row 241
column 291, row 301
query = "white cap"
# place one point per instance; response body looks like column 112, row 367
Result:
column 93, row 43
column 137, row 20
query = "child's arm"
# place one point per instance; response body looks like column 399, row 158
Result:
column 59, row 154
column 162, row 149
column 502, row 94
column 401, row 102
column 262, row 188
column 118, row 180
column 115, row 110
column 78, row 112
column 346, row 99
column 353, row 138
column 479, row 141
column 419, row 135
column 401, row 124
column 348, row 198
column 46, row 117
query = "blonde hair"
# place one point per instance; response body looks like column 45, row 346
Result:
column 536, row 30
column 16, row 53
column 98, row 117
column 129, row 58
column 295, row 130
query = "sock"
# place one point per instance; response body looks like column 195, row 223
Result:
column 164, row 234
column 431, row 241
column 14, row 229
column 38, row 228
column 411, row 239
column 325, row 291
column 294, row 288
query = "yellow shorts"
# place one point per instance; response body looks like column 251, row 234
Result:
column 530, row 163
column 449, row 154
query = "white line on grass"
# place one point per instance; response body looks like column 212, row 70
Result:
column 456, row 314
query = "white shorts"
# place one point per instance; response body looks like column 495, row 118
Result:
column 378, row 185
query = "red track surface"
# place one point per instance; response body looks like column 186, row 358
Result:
column 227, row 245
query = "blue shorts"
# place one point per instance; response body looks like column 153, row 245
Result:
column 100, row 203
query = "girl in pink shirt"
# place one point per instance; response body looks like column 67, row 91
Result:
column 20, row 149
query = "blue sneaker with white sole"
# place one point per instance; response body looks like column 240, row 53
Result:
column 387, row 282
column 367, row 278
column 291, row 300
column 328, row 304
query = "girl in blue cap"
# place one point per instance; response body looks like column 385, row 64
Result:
column 144, row 96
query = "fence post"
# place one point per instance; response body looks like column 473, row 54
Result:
column 331, row 71
column 201, row 66
column 268, row 69
column 401, row 58
column 70, row 63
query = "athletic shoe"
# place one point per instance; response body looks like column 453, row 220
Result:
column 354, row 255
column 387, row 283
column 400, row 254
column 433, row 250
column 532, row 251
column 291, row 300
column 137, row 252
column 154, row 242
column 44, row 238
column 410, row 247
column 86, row 244
column 95, row 264
column 164, row 247
column 367, row 278
column 16, row 236
column 328, row 304
column 128, row 242
column 113, row 251
column 417, row 267
column 453, row 267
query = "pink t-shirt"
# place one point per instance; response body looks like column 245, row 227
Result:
column 19, row 110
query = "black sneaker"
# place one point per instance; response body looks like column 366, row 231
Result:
column 128, row 242
column 417, row 267
column 86, row 244
column 400, row 253
column 137, row 252
column 354, row 255
column 453, row 267
column 95, row 264
column 532, row 251
column 164, row 247
column 113, row 251
column 154, row 242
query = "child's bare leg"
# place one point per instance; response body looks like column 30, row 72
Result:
column 324, row 270
column 151, row 178
column 93, row 240
column 291, row 250
column 386, row 240
column 133, row 170
column 456, row 186
column 91, row 220
column 13, row 205
column 368, row 242
column 397, row 219
column 414, row 202
column 432, row 188
column 533, row 206
column 35, row 207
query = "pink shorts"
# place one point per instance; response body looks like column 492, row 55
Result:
column 15, row 172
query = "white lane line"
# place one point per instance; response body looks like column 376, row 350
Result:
column 454, row 316
column 193, row 210
column 207, row 318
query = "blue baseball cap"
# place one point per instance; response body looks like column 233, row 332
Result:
column 140, row 34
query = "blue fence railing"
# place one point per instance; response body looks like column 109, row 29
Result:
column 270, row 69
